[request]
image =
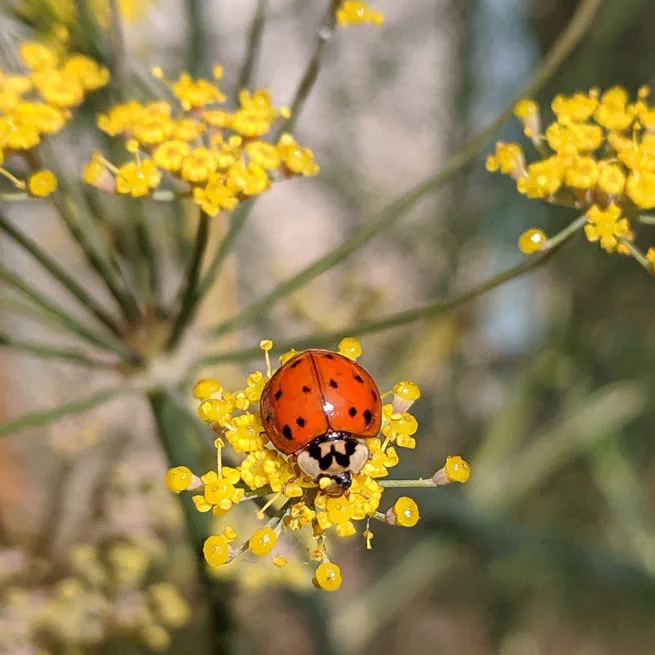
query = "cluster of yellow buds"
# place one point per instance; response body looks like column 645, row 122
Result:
column 357, row 12
column 296, row 502
column 218, row 157
column 38, row 103
column 104, row 594
column 597, row 156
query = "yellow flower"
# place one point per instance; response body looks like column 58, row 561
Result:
column 216, row 550
column 607, row 226
column 206, row 388
column 613, row 111
column 264, row 154
column 297, row 159
column 255, row 114
column 357, row 12
column 532, row 241
column 58, row 87
column 581, row 173
column 350, row 348
column 544, row 178
column 199, row 165
column 328, row 576
column 262, row 542
column 611, row 178
column 578, row 107
column 88, row 72
column 37, row 56
column 640, row 188
column 508, row 159
column 42, row 183
column 220, row 491
column 138, row 178
column 263, row 467
column 170, row 154
column 196, row 93
column 216, row 196
column 457, row 469
column 405, row 512
column 250, row 179
column 574, row 138
column 178, row 479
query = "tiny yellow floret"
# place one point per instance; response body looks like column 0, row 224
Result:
column 206, row 388
column 328, row 576
column 42, row 184
column 406, row 512
column 457, row 469
column 532, row 241
column 178, row 479
column 262, row 542
column 350, row 347
column 216, row 550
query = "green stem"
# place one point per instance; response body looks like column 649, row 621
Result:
column 646, row 220
column 197, row 37
column 237, row 221
column 118, row 53
column 637, row 254
column 44, row 417
column 575, row 30
column 71, row 355
column 253, row 47
column 188, row 300
column 65, row 320
column 324, row 34
column 407, row 484
column 59, row 274
column 149, row 253
column 395, row 320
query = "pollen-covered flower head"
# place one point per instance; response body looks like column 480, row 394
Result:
column 597, row 156
column 216, row 156
column 312, row 446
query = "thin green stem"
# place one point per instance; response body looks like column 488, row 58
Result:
column 237, row 221
column 637, row 254
column 253, row 47
column 65, row 320
column 574, row 32
column 323, row 36
column 646, row 219
column 118, row 53
column 188, row 302
column 71, row 355
column 149, row 254
column 59, row 274
column 44, row 417
column 430, row 310
column 197, row 37
column 406, row 484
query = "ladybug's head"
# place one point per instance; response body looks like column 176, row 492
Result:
column 340, row 483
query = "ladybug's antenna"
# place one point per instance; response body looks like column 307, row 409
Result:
column 266, row 345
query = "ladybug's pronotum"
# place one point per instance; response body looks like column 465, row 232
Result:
column 317, row 407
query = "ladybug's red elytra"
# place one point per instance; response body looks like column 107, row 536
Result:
column 317, row 407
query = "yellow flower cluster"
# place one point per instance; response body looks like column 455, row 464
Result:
column 105, row 594
column 357, row 12
column 296, row 502
column 38, row 103
column 218, row 157
column 597, row 155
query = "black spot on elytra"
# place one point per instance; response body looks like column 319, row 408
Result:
column 269, row 417
column 286, row 431
column 294, row 364
column 278, row 394
column 375, row 395
column 333, row 384
column 353, row 411
column 306, row 389
column 301, row 421
column 359, row 378
column 329, row 356
column 368, row 416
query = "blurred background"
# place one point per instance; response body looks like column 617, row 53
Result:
column 544, row 385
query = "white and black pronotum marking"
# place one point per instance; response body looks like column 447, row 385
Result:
column 336, row 455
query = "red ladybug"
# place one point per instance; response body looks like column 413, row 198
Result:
column 316, row 407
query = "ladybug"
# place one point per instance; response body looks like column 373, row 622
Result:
column 317, row 407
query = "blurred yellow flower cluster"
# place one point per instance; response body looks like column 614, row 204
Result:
column 296, row 502
column 597, row 156
column 65, row 12
column 357, row 12
column 217, row 156
column 105, row 594
column 38, row 103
